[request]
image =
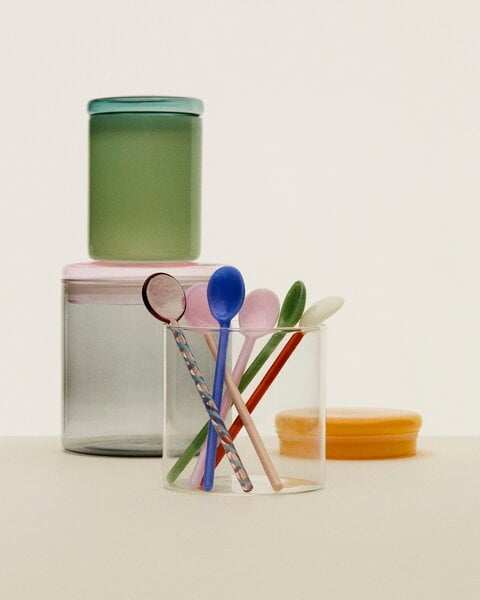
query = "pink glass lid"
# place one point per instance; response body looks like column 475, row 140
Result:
column 121, row 283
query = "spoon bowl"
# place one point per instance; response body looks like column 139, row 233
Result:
column 293, row 305
column 164, row 297
column 321, row 311
column 225, row 293
column 259, row 311
column 197, row 311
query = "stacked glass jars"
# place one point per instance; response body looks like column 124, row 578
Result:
column 144, row 217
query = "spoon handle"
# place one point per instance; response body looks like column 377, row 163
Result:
column 260, row 360
column 212, row 410
column 237, row 372
column 218, row 381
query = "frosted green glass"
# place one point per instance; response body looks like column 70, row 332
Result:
column 144, row 183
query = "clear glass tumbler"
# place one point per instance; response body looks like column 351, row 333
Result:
column 274, row 436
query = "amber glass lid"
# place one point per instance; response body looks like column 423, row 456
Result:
column 371, row 421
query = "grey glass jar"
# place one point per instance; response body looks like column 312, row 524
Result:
column 113, row 359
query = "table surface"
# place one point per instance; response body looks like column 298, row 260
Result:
column 74, row 527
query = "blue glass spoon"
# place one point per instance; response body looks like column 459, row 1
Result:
column 225, row 293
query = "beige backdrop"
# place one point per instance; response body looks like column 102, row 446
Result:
column 341, row 147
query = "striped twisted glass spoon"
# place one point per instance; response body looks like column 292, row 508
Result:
column 164, row 298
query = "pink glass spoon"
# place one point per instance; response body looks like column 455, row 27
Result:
column 258, row 313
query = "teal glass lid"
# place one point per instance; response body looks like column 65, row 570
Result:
column 156, row 104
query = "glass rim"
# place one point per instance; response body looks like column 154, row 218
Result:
column 263, row 330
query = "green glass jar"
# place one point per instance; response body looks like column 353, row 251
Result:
column 145, row 162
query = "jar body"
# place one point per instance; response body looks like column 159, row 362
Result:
column 145, row 186
column 113, row 362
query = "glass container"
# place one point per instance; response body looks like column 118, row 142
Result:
column 292, row 379
column 113, row 358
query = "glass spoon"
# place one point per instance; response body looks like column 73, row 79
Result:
column 165, row 299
